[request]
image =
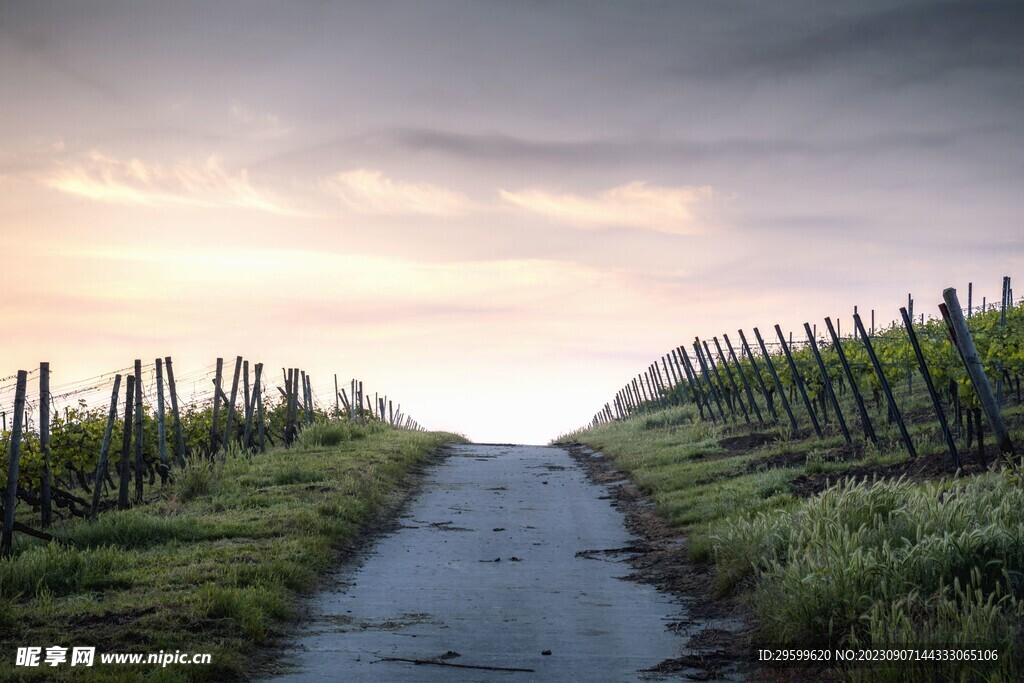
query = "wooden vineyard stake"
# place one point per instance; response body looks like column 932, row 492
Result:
column 760, row 380
column 226, row 441
column 828, row 383
column 733, row 388
column 659, row 387
column 778, row 383
column 124, row 467
column 869, row 430
column 247, row 402
column 258, row 393
column 662, row 394
column 250, row 409
column 295, row 405
column 895, row 411
column 677, row 383
column 739, row 371
column 140, row 464
column 11, row 494
column 44, row 443
column 101, row 465
column 179, row 429
column 161, row 426
column 216, row 405
column 309, row 393
column 694, row 379
column 799, row 382
column 706, row 374
column 936, row 403
column 288, row 396
column 743, row 377
column 720, row 386
column 304, row 405
column 962, row 338
column 353, row 403
column 337, row 407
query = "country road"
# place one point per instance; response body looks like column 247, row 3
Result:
column 506, row 566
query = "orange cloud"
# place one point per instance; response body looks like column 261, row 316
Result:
column 633, row 205
column 208, row 184
column 369, row 192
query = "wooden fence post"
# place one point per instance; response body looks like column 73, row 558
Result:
column 869, row 430
column 289, row 397
column 936, row 403
column 125, row 464
column 694, row 380
column 247, row 399
column 733, row 387
column 305, row 397
column 799, row 382
column 231, row 404
column 775, row 378
column 11, row 494
column 258, row 393
column 718, row 386
column 161, row 426
column 214, row 431
column 706, row 374
column 44, row 443
column 677, row 383
column 893, row 409
column 139, row 461
column 743, row 377
column 179, row 430
column 962, row 338
column 760, row 380
column 828, row 383
column 295, row 403
column 101, row 465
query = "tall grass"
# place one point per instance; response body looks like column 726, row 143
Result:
column 886, row 564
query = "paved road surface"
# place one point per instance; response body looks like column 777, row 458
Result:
column 486, row 566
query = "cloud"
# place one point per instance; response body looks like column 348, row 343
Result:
column 369, row 192
column 265, row 125
column 914, row 42
column 134, row 182
column 634, row 205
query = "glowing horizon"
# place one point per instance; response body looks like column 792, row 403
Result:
column 500, row 227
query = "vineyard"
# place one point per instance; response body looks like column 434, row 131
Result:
column 845, row 491
column 191, row 524
column 803, row 385
column 80, row 456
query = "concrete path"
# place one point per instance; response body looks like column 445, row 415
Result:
column 486, row 572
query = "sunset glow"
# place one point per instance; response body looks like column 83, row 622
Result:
column 497, row 212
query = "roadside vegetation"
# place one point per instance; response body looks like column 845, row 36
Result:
column 829, row 544
column 213, row 562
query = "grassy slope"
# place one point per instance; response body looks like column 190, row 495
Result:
column 853, row 565
column 214, row 563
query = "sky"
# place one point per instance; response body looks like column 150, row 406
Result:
column 496, row 212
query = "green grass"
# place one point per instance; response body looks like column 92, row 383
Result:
column 861, row 564
column 214, row 562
